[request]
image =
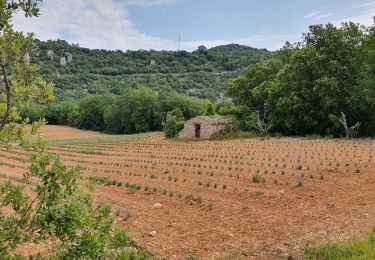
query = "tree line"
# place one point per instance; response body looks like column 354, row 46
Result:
column 323, row 85
column 136, row 110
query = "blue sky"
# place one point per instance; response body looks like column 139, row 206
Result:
column 156, row 24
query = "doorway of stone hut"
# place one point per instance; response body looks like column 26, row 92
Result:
column 197, row 130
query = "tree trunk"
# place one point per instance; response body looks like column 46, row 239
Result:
column 348, row 130
column 9, row 98
column 347, row 133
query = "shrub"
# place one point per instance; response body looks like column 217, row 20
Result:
column 173, row 123
column 257, row 178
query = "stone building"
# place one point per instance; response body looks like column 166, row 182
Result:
column 203, row 126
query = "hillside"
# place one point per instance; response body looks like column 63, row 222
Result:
column 203, row 73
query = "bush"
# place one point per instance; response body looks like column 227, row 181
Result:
column 257, row 178
column 174, row 123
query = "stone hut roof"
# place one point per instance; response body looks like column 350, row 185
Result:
column 213, row 120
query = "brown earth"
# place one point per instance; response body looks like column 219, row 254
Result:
column 64, row 132
column 314, row 191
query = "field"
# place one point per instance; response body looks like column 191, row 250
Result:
column 239, row 199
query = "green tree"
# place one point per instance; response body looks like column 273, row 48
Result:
column 254, row 93
column 209, row 108
column 135, row 111
column 173, row 123
column 89, row 113
column 55, row 208
column 226, row 107
column 298, row 92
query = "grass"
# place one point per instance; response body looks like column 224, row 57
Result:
column 91, row 152
column 98, row 140
column 99, row 179
column 353, row 249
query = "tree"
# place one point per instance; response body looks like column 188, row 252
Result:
column 209, row 108
column 173, row 123
column 89, row 113
column 349, row 130
column 135, row 111
column 330, row 71
column 322, row 79
column 261, row 123
column 202, row 50
column 254, row 93
column 19, row 76
column 55, row 207
column 226, row 107
column 24, row 85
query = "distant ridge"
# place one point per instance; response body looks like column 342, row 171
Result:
column 204, row 72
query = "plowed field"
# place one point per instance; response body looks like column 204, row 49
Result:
column 241, row 199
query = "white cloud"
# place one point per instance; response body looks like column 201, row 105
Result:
column 147, row 3
column 104, row 24
column 323, row 16
column 366, row 17
column 97, row 24
column 367, row 4
column 310, row 15
column 316, row 15
column 365, row 14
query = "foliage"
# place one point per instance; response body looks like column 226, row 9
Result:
column 134, row 111
column 59, row 211
column 352, row 249
column 56, row 113
column 329, row 73
column 21, row 79
column 89, row 113
column 209, row 108
column 173, row 123
column 226, row 107
column 55, row 208
column 199, row 73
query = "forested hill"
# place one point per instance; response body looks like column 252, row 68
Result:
column 203, row 73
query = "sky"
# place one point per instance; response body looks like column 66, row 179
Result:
column 157, row 24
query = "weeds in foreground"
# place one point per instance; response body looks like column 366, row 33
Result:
column 352, row 249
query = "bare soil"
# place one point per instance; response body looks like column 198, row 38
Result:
column 64, row 132
column 314, row 191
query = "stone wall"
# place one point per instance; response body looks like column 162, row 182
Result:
column 207, row 129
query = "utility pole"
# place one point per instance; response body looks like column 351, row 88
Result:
column 179, row 42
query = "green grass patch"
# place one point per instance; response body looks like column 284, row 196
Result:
column 91, row 152
column 99, row 179
column 98, row 140
column 359, row 249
